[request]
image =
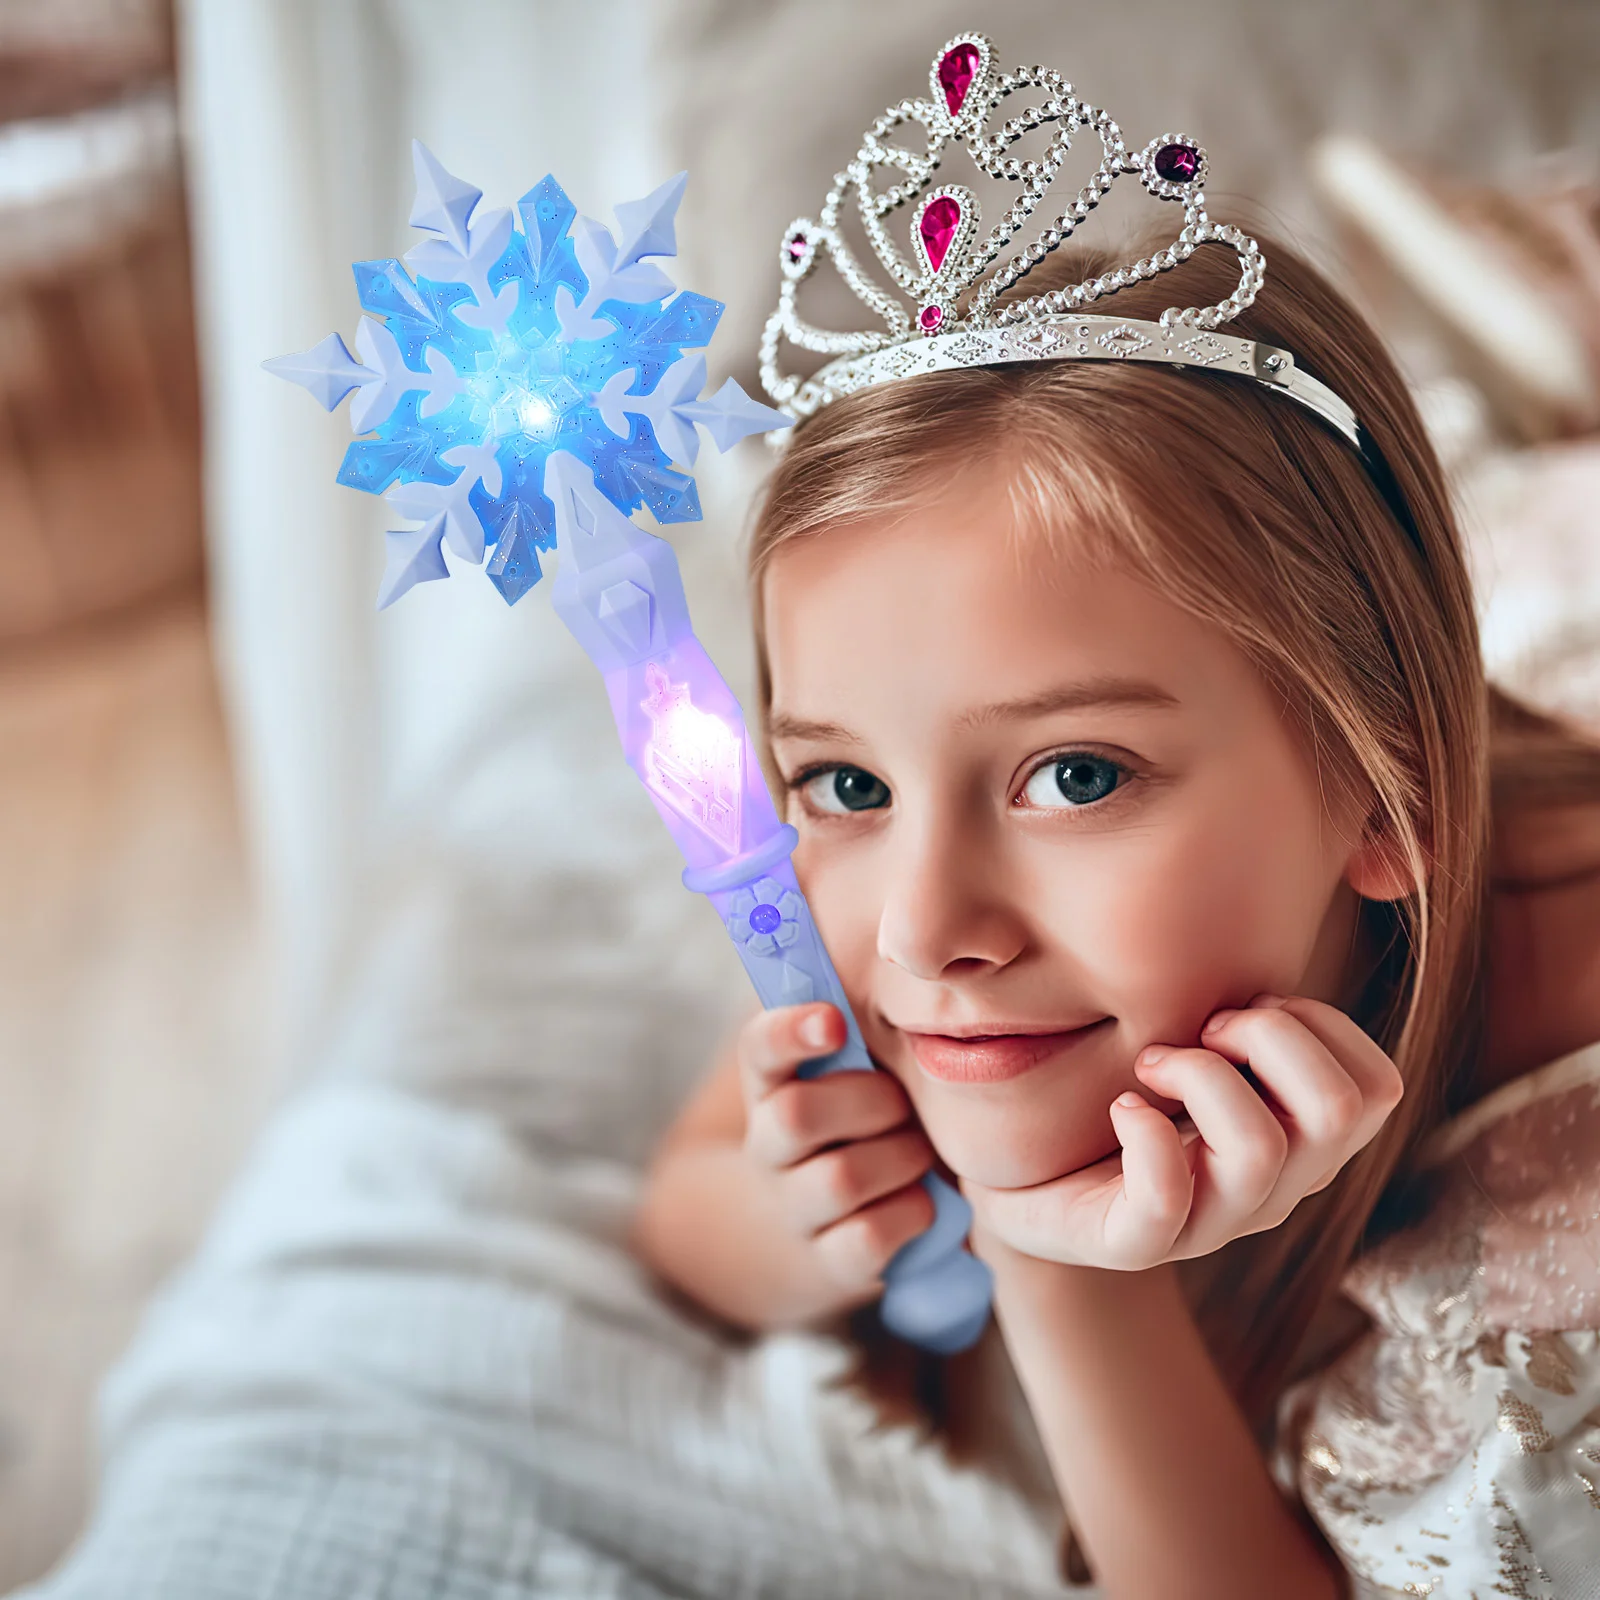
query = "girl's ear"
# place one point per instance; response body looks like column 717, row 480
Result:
column 1378, row 870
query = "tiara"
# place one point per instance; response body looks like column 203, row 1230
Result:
column 951, row 280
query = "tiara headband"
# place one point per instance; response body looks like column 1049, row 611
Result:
column 951, row 281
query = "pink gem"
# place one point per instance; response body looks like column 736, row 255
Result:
column 930, row 318
column 796, row 246
column 956, row 72
column 938, row 228
column 1177, row 163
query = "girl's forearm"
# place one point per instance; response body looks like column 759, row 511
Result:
column 709, row 1224
column 1155, row 1463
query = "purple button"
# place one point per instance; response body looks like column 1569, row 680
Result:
column 766, row 919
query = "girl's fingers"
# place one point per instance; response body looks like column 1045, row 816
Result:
column 1122, row 1213
column 1375, row 1075
column 829, row 1187
column 1245, row 1144
column 802, row 1116
column 1322, row 1100
column 774, row 1043
column 856, row 1250
column 1157, row 1173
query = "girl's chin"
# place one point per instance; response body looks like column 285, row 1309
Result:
column 998, row 1168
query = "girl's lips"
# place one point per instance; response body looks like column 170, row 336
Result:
column 990, row 1058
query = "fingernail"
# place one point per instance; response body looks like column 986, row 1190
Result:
column 1130, row 1101
column 814, row 1030
column 1219, row 1019
column 1152, row 1055
column 1270, row 1001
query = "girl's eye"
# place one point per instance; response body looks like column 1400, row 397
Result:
column 840, row 789
column 1077, row 779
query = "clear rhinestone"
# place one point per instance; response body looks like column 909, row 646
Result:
column 1122, row 341
column 1038, row 340
column 968, row 350
column 1205, row 349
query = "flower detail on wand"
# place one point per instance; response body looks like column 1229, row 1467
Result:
column 528, row 390
column 765, row 917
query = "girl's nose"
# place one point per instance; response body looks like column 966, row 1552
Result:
column 945, row 910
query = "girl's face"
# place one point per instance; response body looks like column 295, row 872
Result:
column 1047, row 818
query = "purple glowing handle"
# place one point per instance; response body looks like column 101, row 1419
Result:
column 619, row 592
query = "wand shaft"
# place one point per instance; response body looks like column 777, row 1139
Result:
column 620, row 593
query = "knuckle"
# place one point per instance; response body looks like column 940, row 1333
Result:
column 893, row 1221
column 1167, row 1207
column 1213, row 1064
column 759, row 1036
column 1259, row 1162
column 1273, row 1025
column 1333, row 1113
column 787, row 1111
column 870, row 1239
column 1301, row 1007
column 851, row 1253
column 1392, row 1088
column 842, row 1177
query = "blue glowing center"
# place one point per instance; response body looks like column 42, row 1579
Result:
column 517, row 393
column 766, row 919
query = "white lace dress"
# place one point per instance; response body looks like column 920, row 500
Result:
column 1455, row 1450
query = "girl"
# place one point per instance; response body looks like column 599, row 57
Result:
column 1209, row 917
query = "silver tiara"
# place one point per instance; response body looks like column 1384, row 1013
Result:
column 950, row 253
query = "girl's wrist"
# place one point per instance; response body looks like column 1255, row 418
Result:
column 1031, row 1287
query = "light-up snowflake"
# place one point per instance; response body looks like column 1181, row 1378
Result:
column 508, row 344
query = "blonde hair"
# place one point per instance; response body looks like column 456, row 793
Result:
column 1237, row 505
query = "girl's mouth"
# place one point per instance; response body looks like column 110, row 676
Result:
column 992, row 1057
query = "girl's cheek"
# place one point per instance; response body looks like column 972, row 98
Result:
column 1162, row 937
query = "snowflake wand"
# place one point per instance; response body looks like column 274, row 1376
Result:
column 528, row 390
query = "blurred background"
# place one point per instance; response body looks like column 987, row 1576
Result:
column 251, row 831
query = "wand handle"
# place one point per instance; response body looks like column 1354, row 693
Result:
column 620, row 593
column 936, row 1294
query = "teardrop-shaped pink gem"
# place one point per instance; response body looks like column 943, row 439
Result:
column 938, row 227
column 956, row 71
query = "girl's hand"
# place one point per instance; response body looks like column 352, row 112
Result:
column 845, row 1151
column 1245, row 1166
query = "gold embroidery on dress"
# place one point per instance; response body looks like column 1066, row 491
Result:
column 1517, row 1566
column 1321, row 1457
column 1394, row 1430
column 1550, row 1363
column 1519, row 1418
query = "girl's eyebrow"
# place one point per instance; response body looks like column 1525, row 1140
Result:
column 780, row 725
column 1094, row 693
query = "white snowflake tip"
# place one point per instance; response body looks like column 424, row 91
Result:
column 730, row 415
column 328, row 370
column 443, row 201
column 414, row 557
column 647, row 225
